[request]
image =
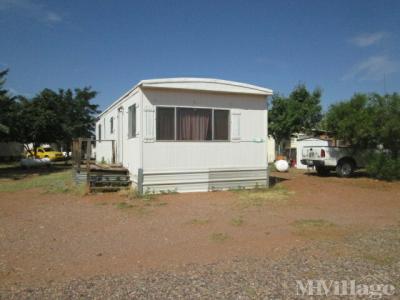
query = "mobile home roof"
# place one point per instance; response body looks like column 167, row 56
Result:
column 196, row 84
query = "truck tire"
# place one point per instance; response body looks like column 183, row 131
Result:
column 345, row 168
column 322, row 171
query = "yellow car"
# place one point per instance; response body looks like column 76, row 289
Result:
column 48, row 152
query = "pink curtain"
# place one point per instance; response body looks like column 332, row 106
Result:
column 194, row 124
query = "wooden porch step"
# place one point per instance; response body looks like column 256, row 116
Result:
column 108, row 188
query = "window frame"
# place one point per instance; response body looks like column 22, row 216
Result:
column 131, row 132
column 111, row 125
column 229, row 125
column 196, row 141
column 99, row 129
column 175, row 131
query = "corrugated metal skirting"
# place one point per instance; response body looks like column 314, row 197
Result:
column 204, row 180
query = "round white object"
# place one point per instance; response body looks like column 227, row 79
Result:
column 282, row 165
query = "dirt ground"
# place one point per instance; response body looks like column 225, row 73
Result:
column 47, row 237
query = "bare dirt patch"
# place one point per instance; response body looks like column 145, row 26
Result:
column 54, row 237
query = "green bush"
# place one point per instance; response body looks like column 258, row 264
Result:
column 382, row 166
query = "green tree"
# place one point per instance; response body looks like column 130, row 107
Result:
column 387, row 121
column 49, row 117
column 300, row 112
column 366, row 121
column 57, row 117
column 77, row 114
column 39, row 120
column 6, row 108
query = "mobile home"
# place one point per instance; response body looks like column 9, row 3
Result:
column 188, row 134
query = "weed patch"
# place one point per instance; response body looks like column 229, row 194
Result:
column 317, row 229
column 58, row 182
column 142, row 205
column 219, row 237
column 238, row 221
column 199, row 221
column 261, row 196
column 124, row 205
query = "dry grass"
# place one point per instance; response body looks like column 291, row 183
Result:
column 260, row 196
column 219, row 237
column 57, row 182
column 197, row 221
column 140, row 206
column 317, row 229
column 238, row 221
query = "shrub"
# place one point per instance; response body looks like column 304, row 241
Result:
column 382, row 166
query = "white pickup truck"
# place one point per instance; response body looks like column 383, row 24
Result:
column 325, row 159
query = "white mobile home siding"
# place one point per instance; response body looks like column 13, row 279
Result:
column 189, row 165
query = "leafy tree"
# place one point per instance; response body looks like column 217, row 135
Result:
column 353, row 122
column 279, row 121
column 387, row 121
column 40, row 119
column 6, row 108
column 49, row 117
column 57, row 117
column 366, row 121
column 300, row 112
column 78, row 114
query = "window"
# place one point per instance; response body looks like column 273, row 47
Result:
column 165, row 123
column 104, row 127
column 132, row 121
column 221, row 125
column 191, row 124
column 112, row 125
column 99, row 132
column 194, row 124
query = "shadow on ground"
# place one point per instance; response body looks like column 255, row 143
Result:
column 357, row 174
column 273, row 180
column 16, row 172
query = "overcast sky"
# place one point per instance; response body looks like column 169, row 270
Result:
column 342, row 47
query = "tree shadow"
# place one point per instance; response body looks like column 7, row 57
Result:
column 356, row 174
column 16, row 172
column 274, row 180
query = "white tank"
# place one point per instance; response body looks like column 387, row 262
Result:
column 282, row 165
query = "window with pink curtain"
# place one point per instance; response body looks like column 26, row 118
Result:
column 194, row 124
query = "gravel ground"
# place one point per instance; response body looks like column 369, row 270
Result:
column 369, row 259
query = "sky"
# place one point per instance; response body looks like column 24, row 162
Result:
column 342, row 47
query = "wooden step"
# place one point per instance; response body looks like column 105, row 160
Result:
column 108, row 188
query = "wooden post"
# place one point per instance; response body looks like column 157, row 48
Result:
column 88, row 154
column 78, row 155
column 113, row 151
column 140, row 181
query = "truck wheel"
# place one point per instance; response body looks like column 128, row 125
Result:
column 321, row 171
column 345, row 168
